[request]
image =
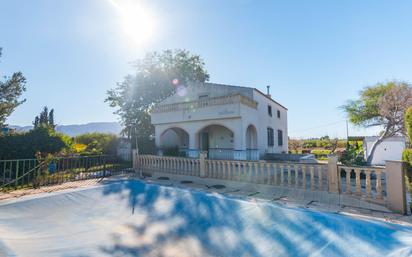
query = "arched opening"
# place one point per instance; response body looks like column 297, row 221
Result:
column 217, row 140
column 174, row 142
column 251, row 137
column 252, row 152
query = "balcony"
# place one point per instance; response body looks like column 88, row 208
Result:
column 221, row 107
column 204, row 103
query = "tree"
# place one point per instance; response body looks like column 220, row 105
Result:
column 157, row 77
column 408, row 122
column 352, row 155
column 10, row 91
column 295, row 145
column 381, row 105
column 51, row 119
column 333, row 144
column 45, row 119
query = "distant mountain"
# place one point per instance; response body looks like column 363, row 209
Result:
column 21, row 128
column 74, row 130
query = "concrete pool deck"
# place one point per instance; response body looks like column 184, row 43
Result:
column 281, row 196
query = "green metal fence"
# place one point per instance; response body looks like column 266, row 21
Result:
column 34, row 173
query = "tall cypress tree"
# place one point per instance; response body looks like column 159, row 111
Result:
column 45, row 119
column 51, row 119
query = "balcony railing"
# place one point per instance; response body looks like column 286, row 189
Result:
column 203, row 103
column 231, row 154
column 215, row 154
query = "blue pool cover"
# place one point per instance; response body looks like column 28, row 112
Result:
column 132, row 218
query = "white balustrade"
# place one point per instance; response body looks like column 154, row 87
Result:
column 366, row 183
column 203, row 103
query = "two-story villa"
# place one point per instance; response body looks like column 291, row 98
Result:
column 229, row 122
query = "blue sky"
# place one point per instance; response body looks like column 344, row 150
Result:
column 314, row 54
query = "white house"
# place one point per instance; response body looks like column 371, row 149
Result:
column 390, row 149
column 229, row 122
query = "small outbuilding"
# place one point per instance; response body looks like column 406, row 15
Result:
column 390, row 149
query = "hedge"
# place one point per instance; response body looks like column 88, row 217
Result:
column 407, row 156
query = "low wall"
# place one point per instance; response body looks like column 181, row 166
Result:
column 384, row 186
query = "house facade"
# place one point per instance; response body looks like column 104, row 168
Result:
column 229, row 122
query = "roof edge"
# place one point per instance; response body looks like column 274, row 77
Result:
column 253, row 88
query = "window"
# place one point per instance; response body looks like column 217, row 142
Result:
column 270, row 137
column 270, row 110
column 278, row 114
column 280, row 138
column 203, row 96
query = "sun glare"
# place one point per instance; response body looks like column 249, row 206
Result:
column 136, row 20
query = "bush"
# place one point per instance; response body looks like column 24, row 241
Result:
column 96, row 143
column 320, row 152
column 27, row 145
column 309, row 143
column 408, row 122
column 407, row 156
column 353, row 155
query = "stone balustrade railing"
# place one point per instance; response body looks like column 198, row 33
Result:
column 203, row 103
column 382, row 185
column 298, row 175
column 173, row 165
column 366, row 182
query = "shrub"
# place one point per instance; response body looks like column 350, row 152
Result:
column 407, row 156
column 97, row 143
column 309, row 143
column 320, row 152
column 353, row 155
column 408, row 122
column 78, row 148
column 27, row 145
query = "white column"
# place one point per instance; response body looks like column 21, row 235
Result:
column 193, row 148
column 239, row 141
column 192, row 140
column 158, row 131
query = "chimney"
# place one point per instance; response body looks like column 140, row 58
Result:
column 268, row 91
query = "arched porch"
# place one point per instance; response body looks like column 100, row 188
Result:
column 217, row 140
column 252, row 152
column 174, row 142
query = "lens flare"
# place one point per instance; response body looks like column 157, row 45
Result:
column 136, row 20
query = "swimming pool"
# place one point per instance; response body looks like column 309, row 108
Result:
column 132, row 218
